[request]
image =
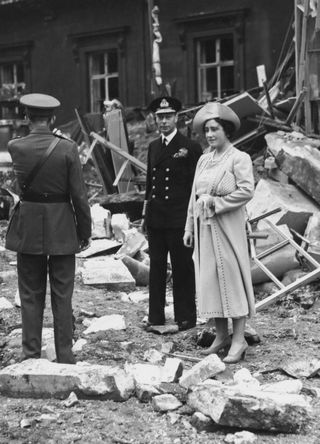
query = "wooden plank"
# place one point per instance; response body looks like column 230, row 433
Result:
column 120, row 173
column 142, row 166
column 295, row 245
column 116, row 135
column 297, row 43
column 268, row 273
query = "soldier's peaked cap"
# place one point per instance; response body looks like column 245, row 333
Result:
column 165, row 105
column 38, row 101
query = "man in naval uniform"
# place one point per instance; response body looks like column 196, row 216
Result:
column 50, row 225
column 172, row 159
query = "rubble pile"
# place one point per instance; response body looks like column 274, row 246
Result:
column 237, row 400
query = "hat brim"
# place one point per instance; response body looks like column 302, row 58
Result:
column 214, row 110
column 166, row 111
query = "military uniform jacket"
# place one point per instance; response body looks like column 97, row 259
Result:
column 49, row 228
column 169, row 181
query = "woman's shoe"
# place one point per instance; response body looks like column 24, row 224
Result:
column 233, row 358
column 214, row 349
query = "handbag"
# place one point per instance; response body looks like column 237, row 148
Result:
column 226, row 185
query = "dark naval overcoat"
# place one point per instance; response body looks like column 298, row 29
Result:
column 169, row 181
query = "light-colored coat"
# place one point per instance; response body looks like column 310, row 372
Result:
column 225, row 223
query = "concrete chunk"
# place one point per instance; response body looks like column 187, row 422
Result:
column 106, row 246
column 207, row 368
column 251, row 409
column 172, row 370
column 146, row 392
column 299, row 159
column 5, row 304
column 37, row 378
column 145, row 374
column 166, row 402
column 107, row 272
column 108, row 322
column 293, row 386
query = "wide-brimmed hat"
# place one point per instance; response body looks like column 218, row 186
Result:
column 165, row 105
column 213, row 110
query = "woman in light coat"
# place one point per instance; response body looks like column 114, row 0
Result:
column 215, row 227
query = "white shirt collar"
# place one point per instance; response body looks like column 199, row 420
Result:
column 171, row 136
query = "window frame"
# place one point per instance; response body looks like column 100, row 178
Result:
column 218, row 64
column 15, row 54
column 85, row 44
column 208, row 25
column 106, row 76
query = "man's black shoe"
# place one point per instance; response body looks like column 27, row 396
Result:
column 186, row 325
column 149, row 326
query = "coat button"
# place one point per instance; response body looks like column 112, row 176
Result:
column 166, row 188
column 153, row 196
column 167, row 169
column 153, row 187
column 166, row 178
column 166, row 197
column 154, row 178
column 153, row 169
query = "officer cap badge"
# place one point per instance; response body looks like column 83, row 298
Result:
column 165, row 105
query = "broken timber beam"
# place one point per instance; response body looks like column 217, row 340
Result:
column 269, row 122
column 142, row 166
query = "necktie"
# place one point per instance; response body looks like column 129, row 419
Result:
column 164, row 142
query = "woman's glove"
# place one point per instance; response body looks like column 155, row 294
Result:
column 205, row 206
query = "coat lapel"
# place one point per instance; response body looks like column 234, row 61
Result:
column 170, row 150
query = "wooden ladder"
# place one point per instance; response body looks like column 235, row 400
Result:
column 256, row 257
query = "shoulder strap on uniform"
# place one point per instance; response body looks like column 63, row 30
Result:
column 38, row 165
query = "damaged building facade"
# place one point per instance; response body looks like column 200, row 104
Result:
column 84, row 52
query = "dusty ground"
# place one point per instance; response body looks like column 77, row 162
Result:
column 287, row 331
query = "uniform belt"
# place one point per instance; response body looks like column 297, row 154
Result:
column 30, row 196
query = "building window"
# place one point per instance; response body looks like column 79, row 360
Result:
column 12, row 86
column 215, row 67
column 104, row 78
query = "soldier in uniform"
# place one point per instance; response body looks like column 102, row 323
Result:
column 172, row 159
column 51, row 223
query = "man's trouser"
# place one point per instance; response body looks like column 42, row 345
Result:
column 32, row 280
column 162, row 241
